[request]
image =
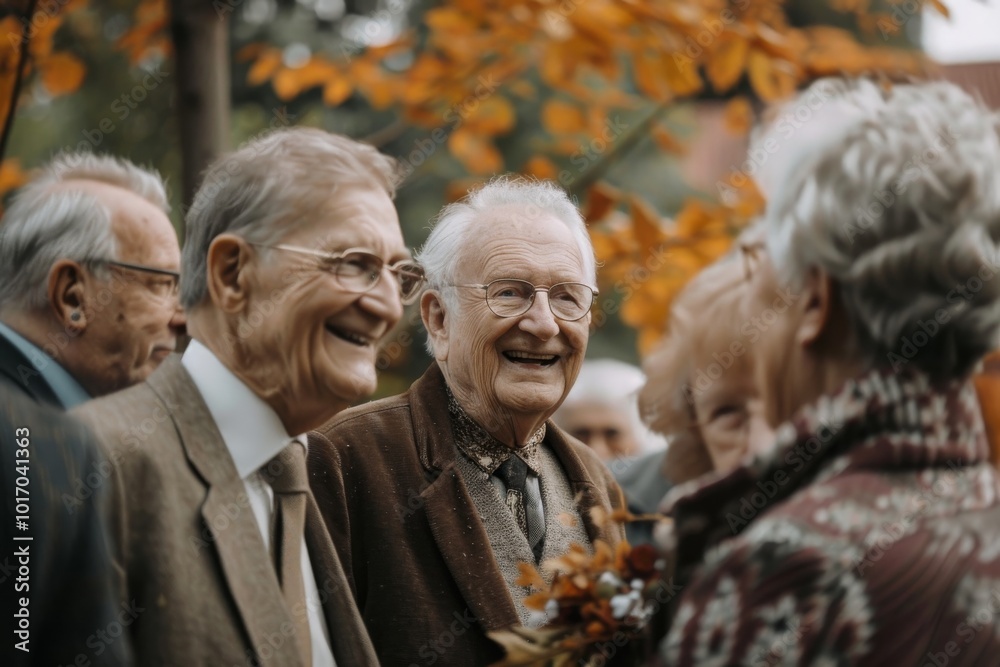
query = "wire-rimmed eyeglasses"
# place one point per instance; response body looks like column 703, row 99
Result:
column 167, row 286
column 357, row 270
column 509, row 297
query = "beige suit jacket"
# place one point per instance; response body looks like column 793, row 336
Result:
column 192, row 560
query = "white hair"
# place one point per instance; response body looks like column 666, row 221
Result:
column 615, row 384
column 45, row 224
column 442, row 252
column 271, row 185
column 897, row 200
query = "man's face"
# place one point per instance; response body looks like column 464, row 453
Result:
column 133, row 317
column 307, row 341
column 605, row 428
column 514, row 368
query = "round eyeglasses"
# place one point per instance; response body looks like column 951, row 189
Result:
column 357, row 270
column 509, row 297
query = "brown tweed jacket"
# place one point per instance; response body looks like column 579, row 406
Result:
column 191, row 555
column 408, row 531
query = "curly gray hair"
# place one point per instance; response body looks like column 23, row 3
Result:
column 894, row 194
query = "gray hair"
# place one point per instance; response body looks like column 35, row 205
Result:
column 898, row 202
column 270, row 186
column 440, row 254
column 45, row 223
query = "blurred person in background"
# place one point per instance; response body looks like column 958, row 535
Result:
column 869, row 535
column 602, row 412
column 56, row 554
column 700, row 391
column 89, row 276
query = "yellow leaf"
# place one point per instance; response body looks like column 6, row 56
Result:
column 738, row 115
column 601, row 200
column 941, row 8
column 771, row 79
column 726, row 63
column 529, row 577
column 645, row 225
column 264, row 67
column 492, row 116
column 560, row 117
column 474, row 151
column 337, row 90
column 11, row 175
column 649, row 77
column 540, row 166
column 667, row 141
column 62, row 73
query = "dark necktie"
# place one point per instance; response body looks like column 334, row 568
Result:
column 287, row 476
column 514, row 474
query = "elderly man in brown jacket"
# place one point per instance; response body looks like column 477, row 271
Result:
column 435, row 496
column 293, row 269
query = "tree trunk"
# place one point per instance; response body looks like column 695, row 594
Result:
column 201, row 46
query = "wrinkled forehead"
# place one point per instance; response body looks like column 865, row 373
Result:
column 515, row 241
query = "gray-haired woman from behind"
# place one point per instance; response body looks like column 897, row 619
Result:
column 870, row 535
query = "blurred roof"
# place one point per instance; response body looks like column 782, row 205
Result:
column 981, row 79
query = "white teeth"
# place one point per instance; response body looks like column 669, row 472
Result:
column 534, row 357
column 352, row 337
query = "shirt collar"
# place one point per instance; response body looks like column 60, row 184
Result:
column 251, row 429
column 482, row 448
column 68, row 391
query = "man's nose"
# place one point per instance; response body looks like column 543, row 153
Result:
column 539, row 320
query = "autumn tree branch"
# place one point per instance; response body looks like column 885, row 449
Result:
column 15, row 93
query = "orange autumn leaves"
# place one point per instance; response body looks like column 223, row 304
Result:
column 645, row 260
column 472, row 61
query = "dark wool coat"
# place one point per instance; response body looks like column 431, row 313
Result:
column 411, row 540
column 870, row 536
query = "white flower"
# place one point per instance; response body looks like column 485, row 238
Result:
column 622, row 605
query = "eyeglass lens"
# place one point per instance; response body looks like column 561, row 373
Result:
column 510, row 298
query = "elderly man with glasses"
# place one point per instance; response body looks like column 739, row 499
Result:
column 435, row 497
column 294, row 270
column 88, row 281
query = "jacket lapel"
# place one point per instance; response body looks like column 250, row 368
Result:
column 585, row 491
column 451, row 513
column 348, row 636
column 226, row 512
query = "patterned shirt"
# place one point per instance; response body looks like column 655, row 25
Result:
column 869, row 536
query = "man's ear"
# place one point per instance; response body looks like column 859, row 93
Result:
column 818, row 306
column 435, row 317
column 226, row 275
column 68, row 294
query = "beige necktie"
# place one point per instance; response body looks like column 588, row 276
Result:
column 286, row 473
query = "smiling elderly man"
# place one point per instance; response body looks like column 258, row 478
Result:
column 88, row 280
column 434, row 496
column 294, row 269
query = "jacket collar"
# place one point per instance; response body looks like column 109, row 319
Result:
column 244, row 560
column 454, row 522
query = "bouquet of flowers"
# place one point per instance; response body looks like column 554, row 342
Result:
column 596, row 605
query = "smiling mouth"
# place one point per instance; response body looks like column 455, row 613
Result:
column 351, row 337
column 531, row 358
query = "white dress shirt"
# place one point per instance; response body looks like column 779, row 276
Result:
column 254, row 435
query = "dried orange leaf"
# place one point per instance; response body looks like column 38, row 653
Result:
column 602, row 198
column 738, row 115
column 727, row 61
column 560, row 117
column 529, row 576
column 62, row 73
column 337, row 90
